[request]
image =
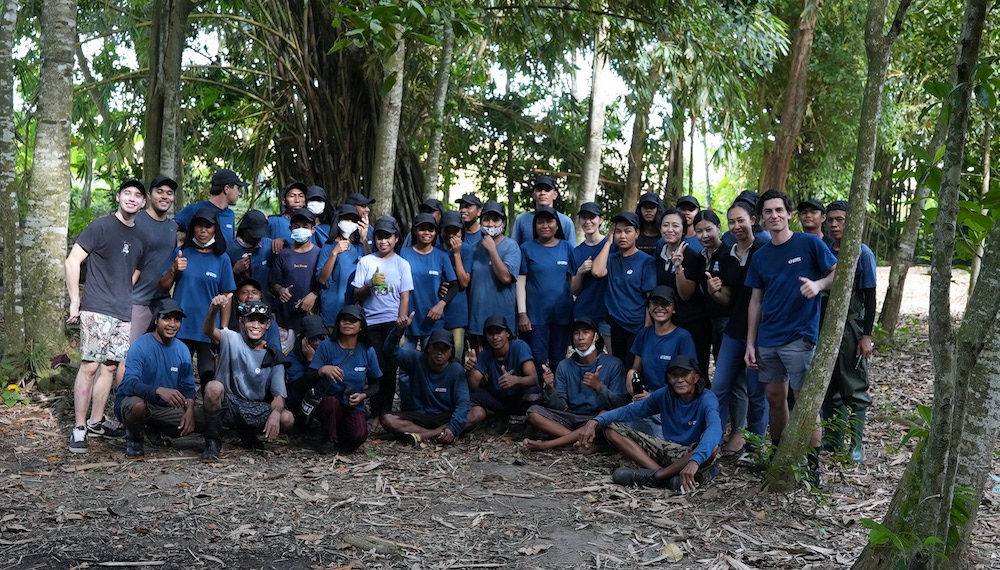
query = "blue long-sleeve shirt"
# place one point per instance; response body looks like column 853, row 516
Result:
column 425, row 391
column 151, row 365
column 682, row 422
column 570, row 394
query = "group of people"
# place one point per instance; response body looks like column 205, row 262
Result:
column 319, row 314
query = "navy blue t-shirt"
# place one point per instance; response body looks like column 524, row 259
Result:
column 630, row 279
column 206, row 276
column 295, row 269
column 656, row 352
column 360, row 366
column 227, row 218
column 548, row 271
column 487, row 296
column 491, row 367
column 429, row 271
column 590, row 303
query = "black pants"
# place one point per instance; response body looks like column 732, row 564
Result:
column 382, row 401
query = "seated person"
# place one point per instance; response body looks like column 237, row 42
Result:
column 586, row 384
column 686, row 453
column 248, row 290
column 252, row 372
column 158, row 389
column 433, row 392
column 313, row 332
column 344, row 373
column 502, row 377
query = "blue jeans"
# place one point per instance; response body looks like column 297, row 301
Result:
column 728, row 367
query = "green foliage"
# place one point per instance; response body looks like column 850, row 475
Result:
column 12, row 395
column 910, row 545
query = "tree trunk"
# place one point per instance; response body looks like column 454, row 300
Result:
column 977, row 254
column 10, row 221
column 49, row 190
column 643, row 104
column 923, row 508
column 779, row 159
column 437, row 116
column 902, row 260
column 390, row 111
column 675, row 166
column 162, row 141
column 795, row 439
column 594, row 147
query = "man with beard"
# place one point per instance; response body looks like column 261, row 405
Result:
column 159, row 231
column 469, row 208
column 158, row 389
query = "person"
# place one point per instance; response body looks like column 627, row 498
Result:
column 847, row 399
column 249, row 290
column 344, row 372
column 689, row 207
column 310, row 335
column 200, row 271
column 470, row 207
column 293, row 198
column 431, row 270
column 545, row 193
column 293, row 277
column 590, row 293
column 160, row 234
column 158, row 391
column 338, row 259
column 650, row 210
column 363, row 206
column 225, row 190
column 252, row 373
column 684, row 456
column 586, row 384
column 631, row 275
column 492, row 282
column 728, row 289
column 319, row 207
column 433, row 394
column 544, row 296
column 707, row 228
column 250, row 253
column 113, row 249
column 432, row 207
column 749, row 199
column 678, row 267
column 502, row 377
column 456, row 313
column 812, row 215
column 787, row 276
column 382, row 285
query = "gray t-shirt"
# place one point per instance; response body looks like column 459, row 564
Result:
column 241, row 373
column 160, row 238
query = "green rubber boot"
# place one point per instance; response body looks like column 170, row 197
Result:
column 857, row 451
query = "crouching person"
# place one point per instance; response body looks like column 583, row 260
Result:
column 252, row 372
column 586, row 384
column 502, row 377
column 433, row 394
column 158, row 389
column 685, row 456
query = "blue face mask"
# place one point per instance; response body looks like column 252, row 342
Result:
column 301, row 235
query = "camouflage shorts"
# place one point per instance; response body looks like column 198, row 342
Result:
column 103, row 338
column 663, row 451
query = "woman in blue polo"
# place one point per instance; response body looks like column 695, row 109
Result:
column 496, row 261
column 545, row 301
column 431, row 268
column 338, row 259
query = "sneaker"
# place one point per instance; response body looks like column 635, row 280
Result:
column 816, row 478
column 626, row 476
column 326, row 446
column 106, row 428
column 134, row 449
column 411, row 439
column 78, row 440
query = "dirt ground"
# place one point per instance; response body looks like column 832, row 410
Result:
column 478, row 504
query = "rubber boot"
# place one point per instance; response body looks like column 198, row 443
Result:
column 134, row 440
column 213, row 436
column 834, row 426
column 857, row 452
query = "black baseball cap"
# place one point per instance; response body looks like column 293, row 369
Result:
column 249, row 281
column 544, row 181
column 470, row 199
column 630, row 218
column 304, row 214
column 256, row 310
column 162, row 180
column 684, row 362
column 169, row 305
column 591, row 208
column 836, row 205
column 254, row 223
column 387, row 224
column 662, row 292
column 353, row 310
column 132, row 183
column 494, row 207
column 545, row 211
column 294, row 186
column 650, row 198
column 359, row 199
column 811, row 204
column 430, row 205
column 688, row 203
column 207, row 214
column 424, row 218
column 497, row 321
column 584, row 322
column 451, row 219
column 316, row 193
column 312, row 326
column 225, row 176
column 441, row 336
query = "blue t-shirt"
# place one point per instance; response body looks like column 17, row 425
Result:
column 295, row 269
column 456, row 314
column 656, row 352
column 425, row 391
column 683, row 422
column 333, row 294
column 487, row 296
column 864, row 278
column 522, row 231
column 629, row 279
column 590, row 303
column 360, row 366
column 491, row 367
column 160, row 239
column 785, row 313
column 548, row 271
column 151, row 365
column 261, row 261
column 279, row 227
column 227, row 218
column 429, row 271
column 206, row 276
column 571, row 394
column 693, row 244
column 321, row 234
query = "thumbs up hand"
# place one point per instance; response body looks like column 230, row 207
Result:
column 548, row 376
column 592, row 380
column 378, row 278
column 714, row 284
column 180, row 262
column 470, row 359
column 809, row 288
column 506, row 379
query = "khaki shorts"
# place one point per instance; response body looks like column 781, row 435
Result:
column 103, row 338
column 663, row 451
column 165, row 419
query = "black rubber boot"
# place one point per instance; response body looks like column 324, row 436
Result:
column 134, row 439
column 213, row 436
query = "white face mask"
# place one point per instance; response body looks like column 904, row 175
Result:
column 347, row 228
column 316, row 207
column 301, row 235
column 585, row 353
column 206, row 245
column 493, row 231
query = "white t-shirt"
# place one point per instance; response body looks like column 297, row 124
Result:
column 382, row 306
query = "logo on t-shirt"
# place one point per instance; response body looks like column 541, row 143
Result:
column 441, row 389
column 212, row 275
column 794, row 260
column 360, row 369
column 665, row 357
column 125, row 247
column 173, row 369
